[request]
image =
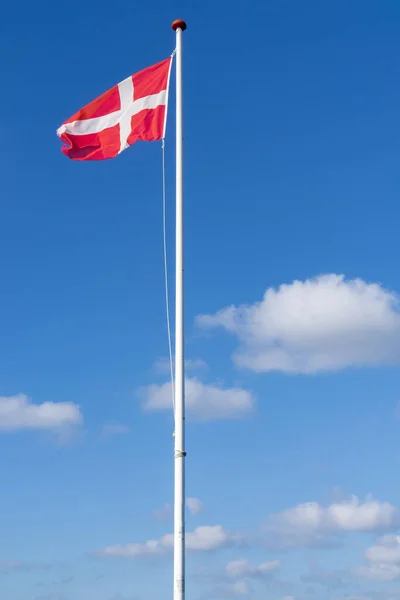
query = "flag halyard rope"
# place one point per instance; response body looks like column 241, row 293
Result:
column 167, row 308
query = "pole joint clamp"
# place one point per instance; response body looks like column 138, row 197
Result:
column 180, row 454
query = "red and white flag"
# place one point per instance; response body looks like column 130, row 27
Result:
column 135, row 109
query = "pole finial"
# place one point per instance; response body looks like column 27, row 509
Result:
column 179, row 24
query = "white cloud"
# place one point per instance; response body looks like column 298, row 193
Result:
column 377, row 572
column 210, row 537
column 386, row 550
column 384, row 560
column 321, row 324
column 18, row 412
column 202, row 539
column 244, row 568
column 135, row 550
column 194, row 505
column 203, row 402
column 311, row 523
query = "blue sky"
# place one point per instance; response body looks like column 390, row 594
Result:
column 291, row 179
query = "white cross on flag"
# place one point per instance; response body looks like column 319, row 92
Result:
column 135, row 109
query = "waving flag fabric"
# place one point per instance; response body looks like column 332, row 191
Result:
column 135, row 109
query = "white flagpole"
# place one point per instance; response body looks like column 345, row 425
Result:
column 179, row 488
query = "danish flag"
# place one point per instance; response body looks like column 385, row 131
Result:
column 135, row 109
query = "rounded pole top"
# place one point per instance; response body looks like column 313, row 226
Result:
column 179, row 24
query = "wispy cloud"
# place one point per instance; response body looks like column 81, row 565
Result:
column 9, row 565
column 202, row 539
column 241, row 587
column 330, row 579
column 194, row 506
column 162, row 514
column 377, row 572
column 244, row 568
column 204, row 402
column 110, row 430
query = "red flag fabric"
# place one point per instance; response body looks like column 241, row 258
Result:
column 135, row 109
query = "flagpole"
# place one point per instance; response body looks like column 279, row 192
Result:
column 179, row 451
